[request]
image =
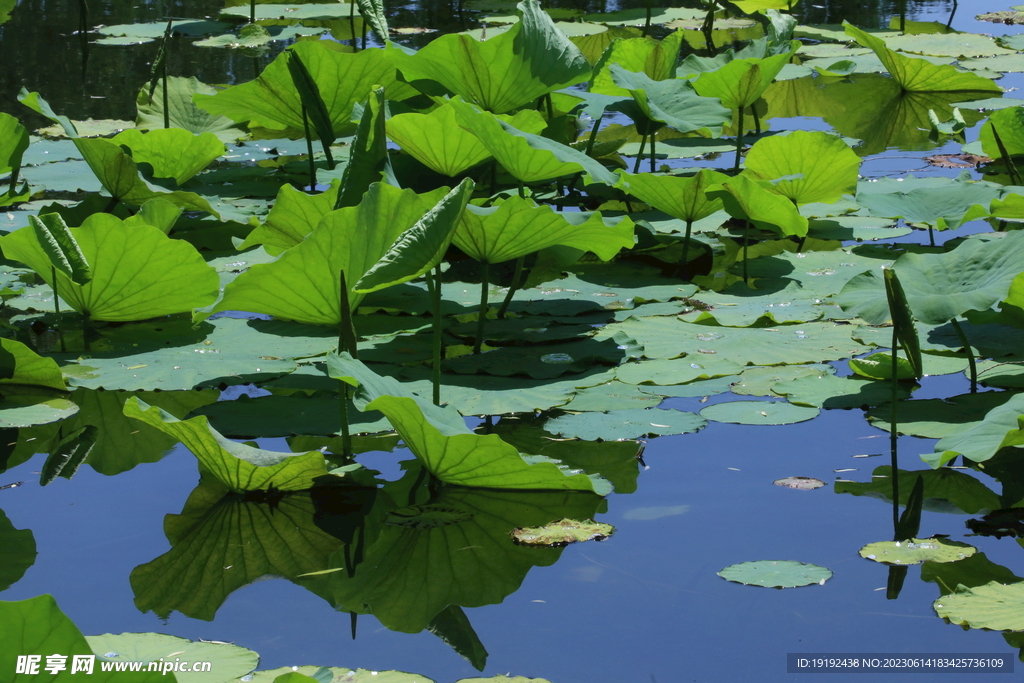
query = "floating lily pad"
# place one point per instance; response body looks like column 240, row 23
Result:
column 133, row 34
column 760, row 381
column 226, row 660
column 631, row 423
column 759, row 412
column 916, row 551
column 995, row 606
column 562, row 532
column 338, row 674
column 776, row 573
column 677, row 371
column 802, row 483
column 828, row 391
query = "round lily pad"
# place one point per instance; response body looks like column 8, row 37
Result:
column 995, row 606
column 759, row 413
column 802, row 483
column 916, row 551
column 776, row 573
column 630, row 423
column 562, row 532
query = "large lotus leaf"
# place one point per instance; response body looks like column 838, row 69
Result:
column 919, row 75
column 422, row 561
column 630, row 423
column 741, row 82
column 766, row 209
column 182, row 111
column 669, row 372
column 214, row 531
column 369, row 161
column 17, row 552
column 13, row 143
column 741, row 306
column 272, row 102
column 293, row 216
column 227, row 660
column 27, row 368
column 237, row 466
column 1009, row 125
column 827, row 391
column 1002, row 427
column 303, row 284
column 973, row 277
column 278, row 416
column 947, row 206
column 945, row 490
column 673, row 102
column 995, row 606
column 938, row 418
column 681, row 197
column 518, row 227
column 827, row 167
column 138, row 272
column 594, row 45
column 530, row 158
column 37, row 627
column 916, row 551
column 961, row 45
column 776, row 573
column 119, row 174
column 759, row 412
column 656, row 59
column 437, row 141
column 509, row 71
column 171, row 152
column 271, row 12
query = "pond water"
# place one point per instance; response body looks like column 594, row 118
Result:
column 644, row 605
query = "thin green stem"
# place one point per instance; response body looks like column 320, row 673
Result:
column 252, row 11
column 309, row 150
column 640, row 154
column 346, row 343
column 653, row 169
column 434, row 289
column 484, row 273
column 684, row 261
column 970, row 354
column 512, row 289
column 85, row 331
column 590, row 147
column 757, row 119
column 167, row 108
column 56, row 309
column 894, row 433
column 746, row 239
column 739, row 141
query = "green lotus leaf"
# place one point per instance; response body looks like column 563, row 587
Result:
column 879, row 366
column 1002, row 427
column 530, row 158
column 745, row 198
column 368, row 161
column 518, row 227
column 593, row 46
column 27, row 368
column 509, row 71
column 144, row 32
column 60, row 247
column 272, row 102
column 449, row 450
column 995, row 606
column 681, row 197
column 270, row 12
column 916, row 551
column 776, row 573
column 171, row 152
column 759, row 381
column 436, row 140
column 237, row 466
column 227, row 660
column 673, row 102
column 138, row 272
column 182, row 111
column 373, row 13
column 563, row 532
column 973, row 277
column 36, row 103
column 17, row 552
column 279, row 416
column 303, row 284
column 422, row 246
column 759, row 412
column 13, row 143
column 159, row 213
column 919, row 75
column 1009, row 125
column 751, row 6
column 316, row 116
column 37, row 626
column 68, row 454
column 654, row 58
column 961, row 45
column 947, row 206
column 939, row 418
column 294, row 215
column 6, row 7
column 741, row 82
column 945, row 490
column 830, row 392
column 826, row 166
column 217, row 530
column 630, row 423
column 340, row 673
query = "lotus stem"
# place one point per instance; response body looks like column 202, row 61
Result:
column 894, row 432
column 653, row 169
column 647, row 24
column 56, row 309
column 931, row 236
column 708, row 27
column 590, row 148
column 346, row 342
column 85, row 329
column 512, row 289
column 739, row 141
column 484, row 272
column 353, row 617
column 1011, row 168
column 309, row 152
column 746, row 239
column 434, row 289
column 972, row 365
column 952, row 14
column 252, row 11
column 684, row 262
column 640, row 154
column 364, row 34
column 757, row 119
column 352, row 25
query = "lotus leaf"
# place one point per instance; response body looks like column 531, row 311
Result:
column 1009, row 125
column 290, row 12
column 37, row 626
column 272, row 102
column 653, row 58
column 776, row 573
column 945, row 490
column 916, row 551
column 237, row 466
column 946, row 207
column 303, row 285
column 682, row 198
column 168, row 275
column 518, row 227
column 740, row 306
column 919, row 75
column 218, row 530
column 667, row 372
column 831, row 392
column 593, row 45
column 228, row 658
column 529, row 158
column 277, row 416
column 631, row 423
column 765, row 208
column 13, row 143
column 995, row 606
column 826, row 166
column 940, row 287
column 509, row 71
column 673, row 102
column 741, row 82
column 373, row 13
column 369, row 161
column 436, row 140
column 759, row 412
column 27, row 368
column 1001, row 428
column 611, row 396
column 348, row 675
column 959, row 45
column 17, row 552
column 563, row 532
column 758, row 381
column 182, row 111
column 294, row 215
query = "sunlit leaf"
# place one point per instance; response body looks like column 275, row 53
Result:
column 825, row 165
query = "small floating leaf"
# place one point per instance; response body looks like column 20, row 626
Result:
column 759, row 412
column 802, row 483
column 563, row 532
column 916, row 551
column 776, row 573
